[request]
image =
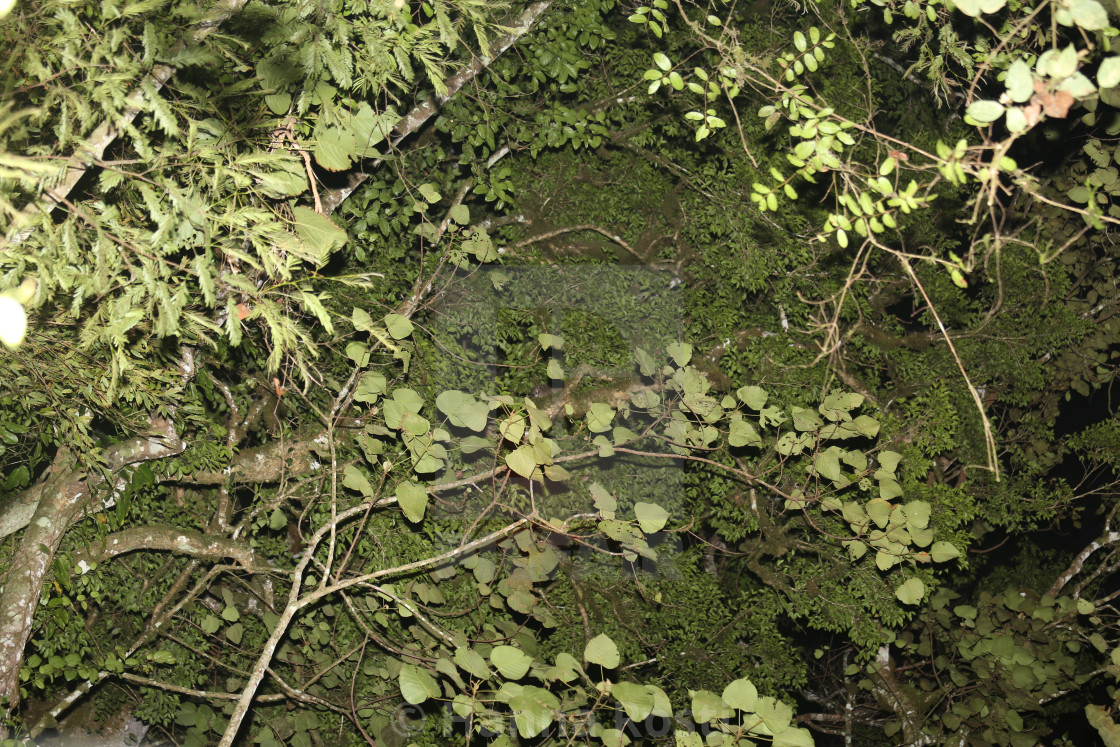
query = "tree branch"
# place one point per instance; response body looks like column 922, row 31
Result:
column 94, row 147
column 171, row 539
column 421, row 113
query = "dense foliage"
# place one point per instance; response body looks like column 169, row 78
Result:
column 467, row 371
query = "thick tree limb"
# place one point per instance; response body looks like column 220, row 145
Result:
column 171, row 539
column 100, row 139
column 1106, row 539
column 421, row 113
column 66, row 492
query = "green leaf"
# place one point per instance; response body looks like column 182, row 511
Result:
column 522, row 460
column 533, row 710
column 651, row 517
column 399, row 327
column 335, row 149
column 417, row 685
column 741, row 695
column 210, row 624
column 461, row 214
column 430, row 194
column 1108, row 74
column 827, row 464
column 463, row 410
column 636, row 700
column 471, row 661
column 942, row 552
column 793, row 738
column 370, row 386
column 743, row 434
column 1078, row 86
column 320, row 235
column 884, row 560
column 234, row 633
column 879, row 512
column 976, row 8
column 917, row 514
column 511, row 662
column 556, row 342
column 471, row 444
column 664, row 63
column 1019, row 81
column 355, row 479
column 889, row 460
column 277, row 520
column 911, row 592
column 602, row 650
column 1089, row 15
column 605, row 503
column 985, row 111
column 278, row 103
column 680, row 352
column 413, row 500
column 753, row 397
column 707, row 706
column 599, row 417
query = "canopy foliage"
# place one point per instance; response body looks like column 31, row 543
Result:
column 469, row 371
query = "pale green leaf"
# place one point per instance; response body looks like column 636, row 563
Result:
column 741, row 695
column 985, row 111
column 417, row 685
column 651, row 517
column 522, row 460
column 911, row 591
column 1108, row 74
column 463, row 410
column 636, row 700
column 354, row 479
column 943, row 551
column 399, row 326
column 602, row 650
column 413, row 500
column 680, row 352
column 512, row 663
column 317, row 231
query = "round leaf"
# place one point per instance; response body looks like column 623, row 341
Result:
column 413, row 500
column 985, row 111
column 636, row 700
column 399, row 327
column 911, row 591
column 602, row 650
column 512, row 663
column 1108, row 74
column 943, row 551
column 651, row 517
column 741, row 695
column 522, row 461
column 463, row 410
column 417, row 685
